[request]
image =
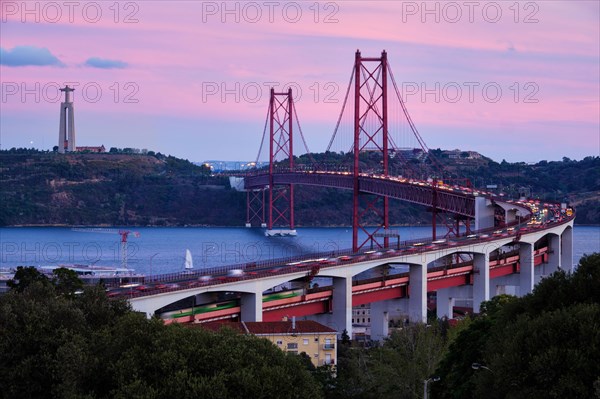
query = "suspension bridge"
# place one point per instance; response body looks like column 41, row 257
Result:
column 491, row 242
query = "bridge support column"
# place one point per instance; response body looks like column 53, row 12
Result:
column 447, row 297
column 484, row 213
column 526, row 277
column 481, row 280
column 566, row 244
column 510, row 216
column 554, row 255
column 342, row 304
column 417, row 298
column 379, row 320
column 445, row 303
column 251, row 307
column 505, row 285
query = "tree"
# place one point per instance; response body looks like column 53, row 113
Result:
column 24, row 277
column 90, row 346
column 551, row 355
column 543, row 345
column 66, row 281
column 395, row 369
column 406, row 359
column 345, row 338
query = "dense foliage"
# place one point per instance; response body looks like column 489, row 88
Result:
column 59, row 341
column 393, row 370
column 125, row 188
column 65, row 281
column 543, row 345
column 85, row 346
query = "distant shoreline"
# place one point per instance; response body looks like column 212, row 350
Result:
column 211, row 226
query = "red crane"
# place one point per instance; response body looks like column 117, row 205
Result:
column 123, row 233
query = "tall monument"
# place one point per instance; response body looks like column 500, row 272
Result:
column 66, row 131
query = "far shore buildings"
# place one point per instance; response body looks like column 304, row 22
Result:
column 91, row 149
column 460, row 154
column 319, row 342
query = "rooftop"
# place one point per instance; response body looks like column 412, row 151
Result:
column 272, row 327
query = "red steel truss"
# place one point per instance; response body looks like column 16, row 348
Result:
column 370, row 133
column 281, row 199
column 255, row 207
column 459, row 204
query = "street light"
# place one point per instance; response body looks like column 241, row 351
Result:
column 425, row 386
column 477, row 366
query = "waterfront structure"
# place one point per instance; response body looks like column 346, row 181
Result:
column 66, row 130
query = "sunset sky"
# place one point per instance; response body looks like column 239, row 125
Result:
column 191, row 78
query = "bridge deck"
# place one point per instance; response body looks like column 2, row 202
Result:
column 449, row 199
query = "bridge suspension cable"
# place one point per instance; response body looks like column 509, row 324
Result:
column 262, row 140
column 295, row 113
column 414, row 128
column 339, row 120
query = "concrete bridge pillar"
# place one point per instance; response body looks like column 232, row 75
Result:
column 481, row 280
column 505, row 285
column 510, row 216
column 417, row 297
column 342, row 304
column 446, row 299
column 526, row 276
column 566, row 241
column 554, row 254
column 445, row 303
column 251, row 307
column 379, row 320
column 484, row 213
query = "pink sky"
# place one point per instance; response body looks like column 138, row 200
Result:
column 175, row 51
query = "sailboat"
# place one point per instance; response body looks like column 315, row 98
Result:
column 189, row 263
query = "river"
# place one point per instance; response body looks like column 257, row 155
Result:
column 160, row 250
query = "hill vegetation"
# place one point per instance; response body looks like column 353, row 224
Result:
column 117, row 188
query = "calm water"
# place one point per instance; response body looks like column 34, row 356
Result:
column 162, row 250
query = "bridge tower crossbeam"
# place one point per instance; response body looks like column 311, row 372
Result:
column 370, row 133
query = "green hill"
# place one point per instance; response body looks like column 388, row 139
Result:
column 46, row 188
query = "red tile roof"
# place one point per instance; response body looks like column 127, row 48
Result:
column 270, row 327
column 285, row 327
column 217, row 325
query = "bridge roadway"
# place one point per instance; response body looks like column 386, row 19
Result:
column 478, row 286
column 453, row 199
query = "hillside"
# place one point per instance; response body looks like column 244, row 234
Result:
column 45, row 188
column 109, row 189
column 576, row 182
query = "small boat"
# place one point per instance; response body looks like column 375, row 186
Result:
column 189, row 263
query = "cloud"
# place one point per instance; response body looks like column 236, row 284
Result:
column 28, row 55
column 102, row 63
